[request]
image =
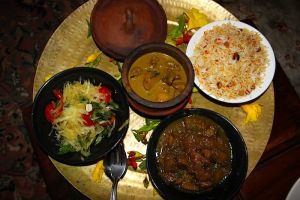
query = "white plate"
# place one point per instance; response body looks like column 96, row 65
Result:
column 294, row 193
column 270, row 70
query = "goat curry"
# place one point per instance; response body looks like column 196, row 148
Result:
column 194, row 154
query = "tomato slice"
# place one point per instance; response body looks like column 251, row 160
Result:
column 57, row 94
column 105, row 94
column 52, row 111
column 49, row 112
column 87, row 119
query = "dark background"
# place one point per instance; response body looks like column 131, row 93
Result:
column 25, row 28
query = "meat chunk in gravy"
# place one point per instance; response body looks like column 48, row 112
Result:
column 194, row 154
column 157, row 77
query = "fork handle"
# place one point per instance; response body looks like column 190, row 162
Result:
column 113, row 193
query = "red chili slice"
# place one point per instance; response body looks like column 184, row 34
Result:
column 111, row 121
column 185, row 39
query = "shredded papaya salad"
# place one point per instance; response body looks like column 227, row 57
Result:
column 83, row 114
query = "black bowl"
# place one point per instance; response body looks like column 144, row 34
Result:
column 228, row 187
column 42, row 127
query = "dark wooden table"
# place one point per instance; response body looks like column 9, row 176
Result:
column 272, row 178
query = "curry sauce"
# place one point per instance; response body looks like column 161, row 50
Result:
column 194, row 154
column 157, row 77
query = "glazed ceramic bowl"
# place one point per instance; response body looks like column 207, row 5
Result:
column 227, row 188
column 42, row 128
column 151, row 108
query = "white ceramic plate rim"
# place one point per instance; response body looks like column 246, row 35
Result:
column 294, row 193
column 269, row 71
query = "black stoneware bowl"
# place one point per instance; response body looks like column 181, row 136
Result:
column 42, row 127
column 228, row 187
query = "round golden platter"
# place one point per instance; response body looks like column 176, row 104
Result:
column 70, row 46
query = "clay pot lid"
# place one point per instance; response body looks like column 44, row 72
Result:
column 119, row 26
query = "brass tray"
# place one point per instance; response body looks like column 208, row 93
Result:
column 70, row 46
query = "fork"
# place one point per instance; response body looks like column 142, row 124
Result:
column 115, row 167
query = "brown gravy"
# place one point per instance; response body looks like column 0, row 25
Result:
column 194, row 154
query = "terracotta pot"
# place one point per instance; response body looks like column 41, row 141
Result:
column 119, row 26
column 158, row 109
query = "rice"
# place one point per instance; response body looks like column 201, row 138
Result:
column 230, row 62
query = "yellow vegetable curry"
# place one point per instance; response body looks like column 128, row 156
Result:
column 157, row 77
